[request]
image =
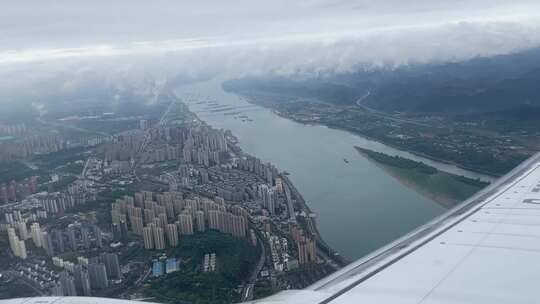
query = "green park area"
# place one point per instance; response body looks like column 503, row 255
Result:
column 235, row 260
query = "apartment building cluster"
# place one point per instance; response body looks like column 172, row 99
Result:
column 306, row 245
column 45, row 144
column 200, row 145
column 123, row 146
column 13, row 129
column 54, row 241
column 17, row 191
column 57, row 203
column 87, row 275
column 161, row 218
column 209, row 262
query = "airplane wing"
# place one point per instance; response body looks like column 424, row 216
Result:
column 485, row 250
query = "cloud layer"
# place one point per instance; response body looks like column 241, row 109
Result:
column 255, row 37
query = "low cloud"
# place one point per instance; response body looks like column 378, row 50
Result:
column 313, row 38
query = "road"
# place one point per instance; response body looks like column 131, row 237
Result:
column 386, row 115
column 247, row 292
column 290, row 207
column 86, row 163
column 330, row 261
column 143, row 277
column 31, row 284
column 173, row 181
column 142, row 147
column 162, row 121
column 359, row 101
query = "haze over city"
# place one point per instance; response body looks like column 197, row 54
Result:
column 319, row 151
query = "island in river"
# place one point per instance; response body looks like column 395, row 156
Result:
column 444, row 188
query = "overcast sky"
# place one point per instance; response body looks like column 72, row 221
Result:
column 258, row 36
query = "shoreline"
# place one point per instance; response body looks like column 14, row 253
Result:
column 321, row 244
column 355, row 139
column 325, row 248
column 418, row 154
column 491, row 175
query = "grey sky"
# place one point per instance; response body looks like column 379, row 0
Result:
column 260, row 36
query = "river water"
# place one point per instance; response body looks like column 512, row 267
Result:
column 359, row 207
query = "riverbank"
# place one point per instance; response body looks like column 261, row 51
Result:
column 490, row 176
column 324, row 249
column 359, row 207
column 444, row 188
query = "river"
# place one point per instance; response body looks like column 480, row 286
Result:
column 359, row 207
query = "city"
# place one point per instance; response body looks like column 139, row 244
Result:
column 134, row 203
column 269, row 152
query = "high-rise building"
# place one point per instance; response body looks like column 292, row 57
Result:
column 111, row 264
column 22, row 250
column 172, row 235
column 238, row 225
column 268, row 197
column 159, row 237
column 214, row 219
column 59, row 240
column 99, row 237
column 83, row 261
column 72, row 239
column 85, row 282
column 307, row 250
column 137, row 224
column 36, row 234
column 171, row 265
column 201, row 227
column 148, row 238
column 68, row 284
column 253, row 237
column 77, row 276
column 18, row 247
column 169, row 207
column 98, row 275
column 149, row 215
column 23, row 231
column 85, row 237
column 143, row 124
column 116, row 232
column 124, row 229
column 9, row 218
column 57, row 290
column 47, row 243
column 186, row 224
column 162, row 220
column 227, row 222
column 13, row 241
